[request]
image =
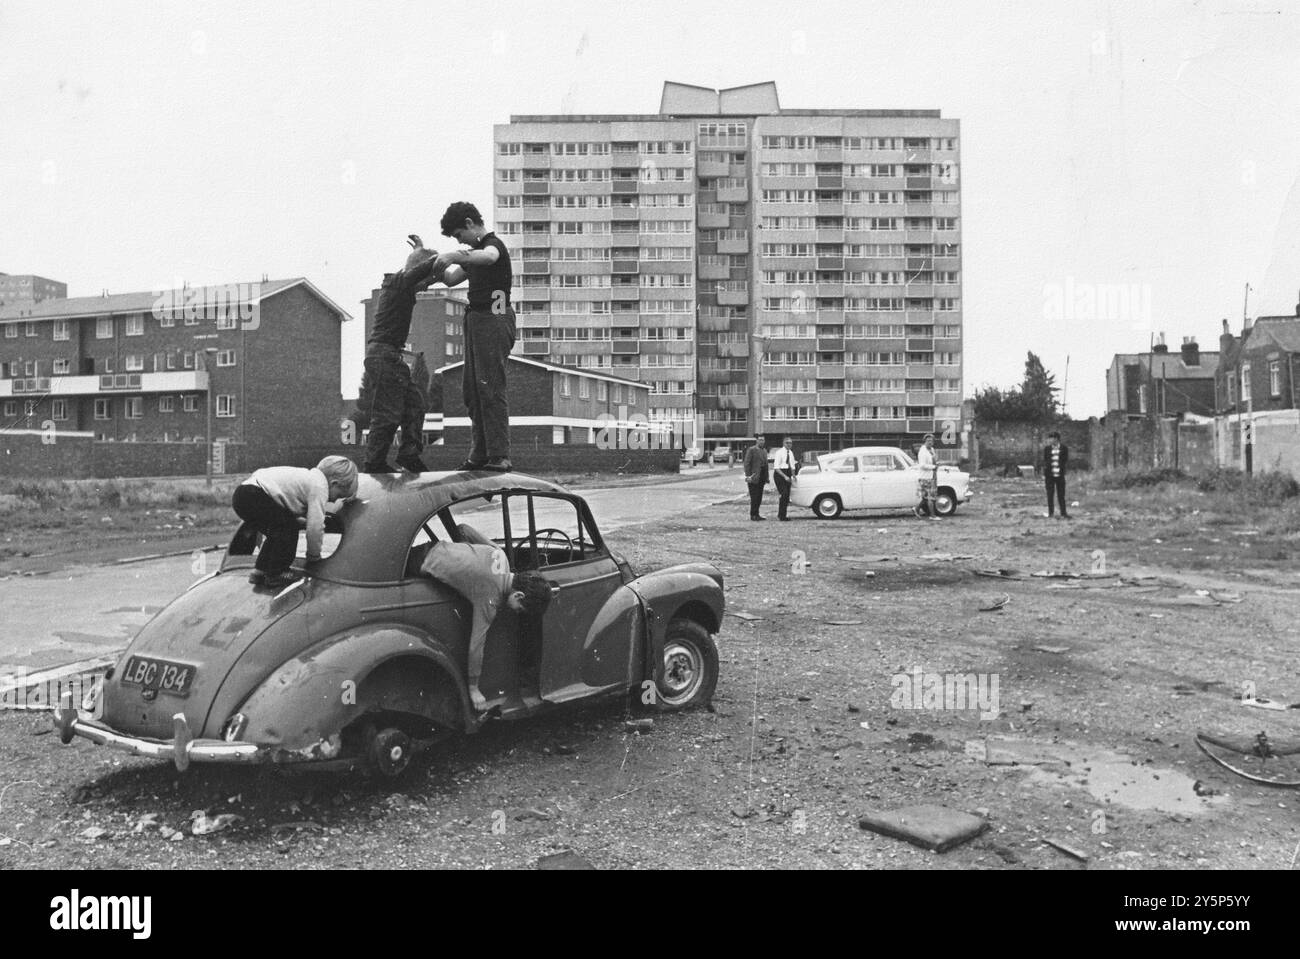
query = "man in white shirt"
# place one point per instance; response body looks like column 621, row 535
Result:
column 783, row 472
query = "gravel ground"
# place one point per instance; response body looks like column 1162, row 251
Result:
column 1100, row 690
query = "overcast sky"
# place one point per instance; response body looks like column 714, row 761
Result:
column 1137, row 157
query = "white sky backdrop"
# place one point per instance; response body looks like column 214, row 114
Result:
column 1150, row 148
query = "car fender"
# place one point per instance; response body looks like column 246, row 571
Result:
column 312, row 697
column 691, row 589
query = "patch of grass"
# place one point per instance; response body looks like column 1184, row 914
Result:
column 1128, row 479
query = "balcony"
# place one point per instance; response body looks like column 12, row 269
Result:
column 735, row 245
column 733, row 401
column 830, row 263
column 625, row 293
column 625, row 347
column 831, row 371
column 920, row 263
column 733, row 348
column 713, row 221
column 912, row 371
column 830, row 426
column 920, row 399
column 541, row 187
column 625, row 161
column 708, row 169
column 916, row 345
column 917, row 182
column 715, row 271
column 830, row 398
column 733, row 194
column 621, row 214
column 920, row 426
column 535, row 214
column 625, row 266
column 830, row 182
column 830, row 344
column 625, row 186
column 830, row 207
column 824, row 235
column 177, row 381
column 535, row 267
column 733, row 297
column 536, row 347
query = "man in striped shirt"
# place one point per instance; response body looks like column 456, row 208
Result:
column 1055, row 458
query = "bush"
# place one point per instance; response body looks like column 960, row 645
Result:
column 1260, row 487
column 1128, row 479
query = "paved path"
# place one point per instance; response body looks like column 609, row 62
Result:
column 88, row 612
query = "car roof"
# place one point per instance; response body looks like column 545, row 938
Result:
column 864, row 451
column 381, row 520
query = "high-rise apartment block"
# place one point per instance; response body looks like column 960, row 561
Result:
column 762, row 269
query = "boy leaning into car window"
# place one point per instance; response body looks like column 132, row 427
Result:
column 482, row 575
column 277, row 500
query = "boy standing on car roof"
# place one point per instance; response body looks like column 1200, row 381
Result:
column 489, row 332
column 389, row 397
column 275, row 500
column 482, row 575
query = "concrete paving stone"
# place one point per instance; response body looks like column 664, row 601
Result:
column 931, row 827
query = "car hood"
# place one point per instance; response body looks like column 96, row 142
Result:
column 207, row 629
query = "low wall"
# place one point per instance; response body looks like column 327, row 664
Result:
column 998, row 444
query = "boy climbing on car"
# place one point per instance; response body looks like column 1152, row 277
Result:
column 481, row 573
column 276, row 500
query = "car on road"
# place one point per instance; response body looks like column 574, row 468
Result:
column 363, row 656
column 880, row 478
column 721, row 454
column 692, row 455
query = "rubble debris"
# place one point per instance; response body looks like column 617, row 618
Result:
column 1000, row 573
column 205, row 825
column 1078, row 854
column 638, row 725
column 996, row 604
column 563, row 860
column 938, row 828
column 1052, row 649
column 747, row 617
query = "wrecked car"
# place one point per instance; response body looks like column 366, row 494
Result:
column 362, row 656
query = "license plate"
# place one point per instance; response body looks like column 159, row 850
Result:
column 159, row 675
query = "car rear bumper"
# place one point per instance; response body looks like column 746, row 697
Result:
column 182, row 749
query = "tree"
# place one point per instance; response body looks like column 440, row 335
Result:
column 1034, row 401
column 1039, row 391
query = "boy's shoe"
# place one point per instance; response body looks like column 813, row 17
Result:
column 278, row 581
column 412, row 464
column 257, row 577
column 498, row 464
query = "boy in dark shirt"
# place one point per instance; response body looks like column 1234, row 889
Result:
column 389, row 397
column 1056, row 456
column 489, row 332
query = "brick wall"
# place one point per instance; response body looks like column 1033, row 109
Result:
column 999, row 444
column 1140, row 445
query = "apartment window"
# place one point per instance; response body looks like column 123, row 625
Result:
column 166, row 318
column 166, row 404
column 31, row 328
column 103, row 409
column 62, row 330
column 11, row 408
column 1247, row 394
column 135, row 324
column 584, row 389
column 11, row 331
column 110, row 364
column 62, row 367
column 58, row 409
column 602, row 390
column 29, row 408
column 226, row 405
column 171, row 361
column 190, row 404
column 566, row 386
column 1232, row 389
column 134, row 363
column 133, row 407
column 1274, row 378
column 226, row 358
column 187, row 360
column 191, row 317
column 104, row 328
column 30, row 368
column 618, row 392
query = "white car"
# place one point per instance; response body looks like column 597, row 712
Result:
column 873, row 478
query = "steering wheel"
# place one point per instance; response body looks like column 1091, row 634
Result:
column 543, row 559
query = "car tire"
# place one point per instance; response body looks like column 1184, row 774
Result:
column 945, row 502
column 387, row 752
column 689, row 671
column 827, row 506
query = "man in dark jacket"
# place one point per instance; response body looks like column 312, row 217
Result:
column 756, row 475
column 389, row 397
column 1055, row 457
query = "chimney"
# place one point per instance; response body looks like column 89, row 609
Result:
column 1160, row 344
column 1226, row 342
column 1191, row 352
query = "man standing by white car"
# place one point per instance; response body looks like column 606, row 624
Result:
column 783, row 472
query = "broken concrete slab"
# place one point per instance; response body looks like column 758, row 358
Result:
column 563, row 860
column 1071, row 851
column 1019, row 752
column 931, row 827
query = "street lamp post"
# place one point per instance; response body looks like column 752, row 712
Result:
column 208, row 352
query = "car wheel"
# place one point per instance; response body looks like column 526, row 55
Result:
column 689, row 672
column 388, row 753
column 827, row 506
column 945, row 502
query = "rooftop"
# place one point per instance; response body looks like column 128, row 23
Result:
column 146, row 300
